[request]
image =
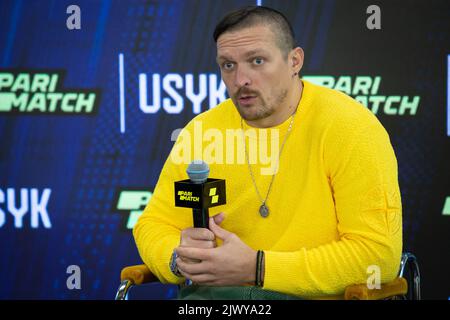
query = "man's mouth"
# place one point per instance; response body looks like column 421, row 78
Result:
column 247, row 99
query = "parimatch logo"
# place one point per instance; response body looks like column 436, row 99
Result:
column 41, row 92
column 132, row 203
column 446, row 209
column 214, row 196
column 364, row 89
column 187, row 196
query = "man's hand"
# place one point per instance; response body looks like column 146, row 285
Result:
column 199, row 238
column 233, row 263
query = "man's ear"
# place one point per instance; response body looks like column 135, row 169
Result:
column 296, row 59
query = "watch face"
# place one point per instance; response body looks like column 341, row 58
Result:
column 173, row 264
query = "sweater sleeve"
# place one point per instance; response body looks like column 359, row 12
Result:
column 158, row 230
column 362, row 174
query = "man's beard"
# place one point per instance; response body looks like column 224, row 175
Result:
column 249, row 113
column 263, row 110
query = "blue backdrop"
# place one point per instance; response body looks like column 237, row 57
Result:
column 86, row 117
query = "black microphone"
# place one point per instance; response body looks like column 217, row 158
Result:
column 200, row 193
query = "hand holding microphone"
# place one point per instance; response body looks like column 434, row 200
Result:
column 197, row 258
column 199, row 237
column 199, row 193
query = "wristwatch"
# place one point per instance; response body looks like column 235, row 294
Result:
column 173, row 264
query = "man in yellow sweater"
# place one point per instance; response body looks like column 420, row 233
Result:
column 311, row 177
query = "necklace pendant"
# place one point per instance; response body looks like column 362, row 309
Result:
column 264, row 211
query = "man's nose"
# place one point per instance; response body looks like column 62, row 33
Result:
column 241, row 78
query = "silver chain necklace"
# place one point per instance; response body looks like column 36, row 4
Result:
column 263, row 209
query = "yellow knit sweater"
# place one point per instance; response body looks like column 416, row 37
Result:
column 335, row 206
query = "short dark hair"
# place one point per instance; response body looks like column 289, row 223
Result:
column 254, row 15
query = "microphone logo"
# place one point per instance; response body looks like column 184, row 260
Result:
column 187, row 196
column 213, row 195
column 200, row 193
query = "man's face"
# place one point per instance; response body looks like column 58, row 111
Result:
column 254, row 70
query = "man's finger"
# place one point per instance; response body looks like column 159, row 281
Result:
column 202, row 279
column 193, row 253
column 206, row 244
column 186, row 260
column 218, row 218
column 218, row 231
column 192, row 268
column 197, row 234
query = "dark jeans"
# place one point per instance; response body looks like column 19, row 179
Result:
column 194, row 292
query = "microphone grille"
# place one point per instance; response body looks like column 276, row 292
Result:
column 198, row 171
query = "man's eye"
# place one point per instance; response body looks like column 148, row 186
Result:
column 228, row 65
column 258, row 61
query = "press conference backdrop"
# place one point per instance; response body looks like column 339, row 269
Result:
column 90, row 95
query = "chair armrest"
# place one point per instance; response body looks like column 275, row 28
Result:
column 138, row 274
column 397, row 287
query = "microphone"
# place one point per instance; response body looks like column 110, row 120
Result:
column 199, row 193
column 198, row 172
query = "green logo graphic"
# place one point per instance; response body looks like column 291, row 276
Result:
column 132, row 202
column 365, row 90
column 38, row 92
column 446, row 210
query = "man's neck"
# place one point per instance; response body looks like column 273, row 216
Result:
column 284, row 112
